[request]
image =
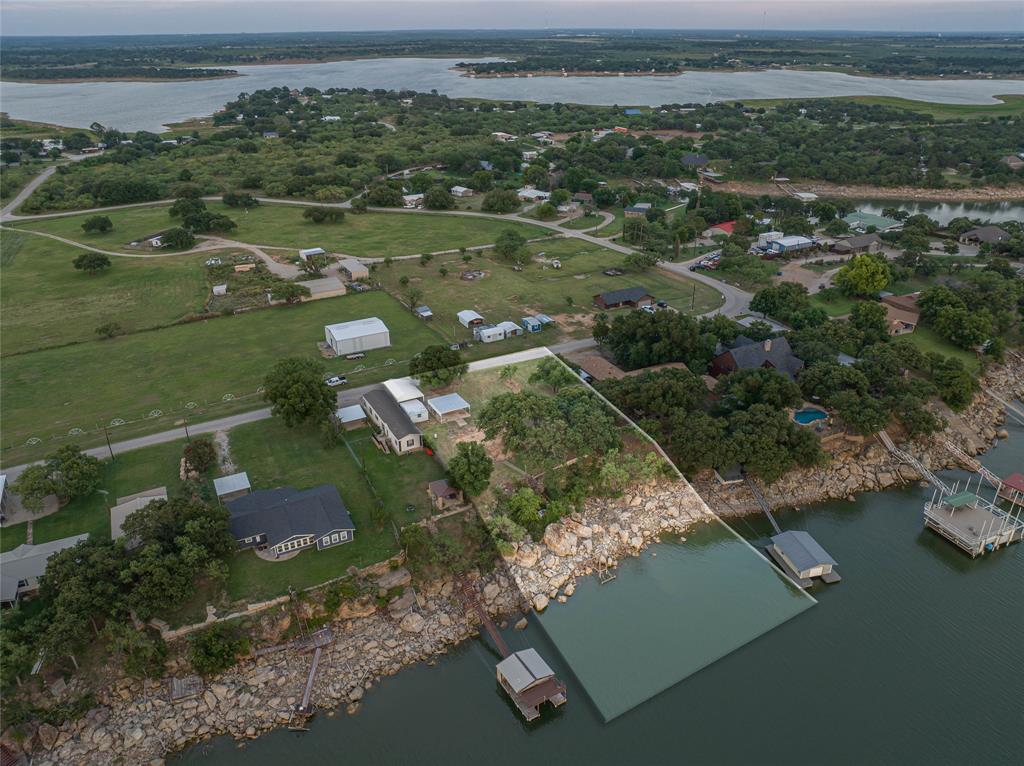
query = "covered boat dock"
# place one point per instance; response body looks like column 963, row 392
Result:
column 970, row 522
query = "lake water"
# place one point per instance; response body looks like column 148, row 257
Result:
column 915, row 657
column 149, row 105
column 944, row 212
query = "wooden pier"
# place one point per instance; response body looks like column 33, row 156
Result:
column 975, row 525
column 525, row 677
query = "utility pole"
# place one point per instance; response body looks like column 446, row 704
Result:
column 187, row 436
column 106, row 434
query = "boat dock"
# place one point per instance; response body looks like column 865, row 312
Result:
column 800, row 557
column 525, row 677
column 975, row 525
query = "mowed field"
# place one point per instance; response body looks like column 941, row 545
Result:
column 45, row 301
column 158, row 374
column 505, row 294
column 368, row 235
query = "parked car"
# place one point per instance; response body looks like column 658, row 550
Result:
column 613, row 272
column 662, row 304
column 337, row 380
column 647, row 309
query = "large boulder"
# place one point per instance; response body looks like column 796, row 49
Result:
column 412, row 623
column 47, row 736
column 527, row 555
column 540, row 602
column 402, row 604
column 561, row 541
column 395, row 578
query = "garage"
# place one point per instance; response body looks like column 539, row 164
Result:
column 357, row 336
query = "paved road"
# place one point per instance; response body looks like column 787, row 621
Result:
column 735, row 301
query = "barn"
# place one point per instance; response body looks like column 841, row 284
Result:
column 359, row 335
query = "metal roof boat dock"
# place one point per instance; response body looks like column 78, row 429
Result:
column 801, row 558
column 970, row 522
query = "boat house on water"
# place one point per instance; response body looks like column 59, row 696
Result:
column 800, row 557
column 975, row 525
column 530, row 682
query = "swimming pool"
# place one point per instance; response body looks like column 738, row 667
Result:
column 808, row 415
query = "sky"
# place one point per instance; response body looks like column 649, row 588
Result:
column 92, row 17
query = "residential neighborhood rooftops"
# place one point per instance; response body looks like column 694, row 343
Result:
column 774, row 353
column 356, row 329
column 27, row 562
column 236, row 482
column 987, row 234
column 286, row 512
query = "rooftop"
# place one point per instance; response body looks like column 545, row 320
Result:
column 29, row 561
column 448, row 403
column 388, row 410
column 357, row 328
column 236, row 482
column 524, row 668
column 287, row 512
column 403, row 389
column 624, row 295
column 802, row 549
column 775, row 353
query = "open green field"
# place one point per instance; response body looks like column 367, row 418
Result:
column 45, row 301
column 368, row 235
column 505, row 294
column 835, row 306
column 585, row 222
column 928, row 341
column 1012, row 106
column 14, row 177
column 275, row 456
column 129, row 473
column 153, row 376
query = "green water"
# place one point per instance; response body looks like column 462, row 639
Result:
column 914, row 658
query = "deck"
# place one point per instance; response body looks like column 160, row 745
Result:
column 973, row 524
column 528, row 702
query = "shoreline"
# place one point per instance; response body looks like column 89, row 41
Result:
column 71, row 80
column 909, row 193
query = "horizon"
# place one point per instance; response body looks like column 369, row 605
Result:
column 119, row 18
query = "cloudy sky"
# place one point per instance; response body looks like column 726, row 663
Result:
column 90, row 17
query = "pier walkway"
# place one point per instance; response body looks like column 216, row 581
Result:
column 1014, row 410
column 759, row 497
column 912, row 461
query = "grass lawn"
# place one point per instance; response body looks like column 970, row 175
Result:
column 129, row 473
column 274, row 456
column 613, row 229
column 927, row 340
column 154, row 375
column 505, row 294
column 370, row 235
column 584, row 222
column 45, row 301
column 837, row 306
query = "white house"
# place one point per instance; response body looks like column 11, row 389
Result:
column 403, row 390
column 21, row 568
column 510, row 329
column 397, row 430
column 486, row 333
column 330, row 118
column 529, row 194
column 530, row 155
column 357, row 336
column 503, row 137
column 461, row 191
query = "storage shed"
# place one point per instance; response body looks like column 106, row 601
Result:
column 532, row 324
column 469, row 318
column 487, row 333
column 353, row 416
column 802, row 554
column 230, row 487
column 511, row 329
column 353, row 270
column 449, row 404
column 310, row 251
column 359, row 335
column 325, row 287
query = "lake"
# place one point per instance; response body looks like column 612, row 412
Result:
column 944, row 212
column 913, row 658
column 134, row 106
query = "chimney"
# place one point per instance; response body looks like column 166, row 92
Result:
column 768, row 345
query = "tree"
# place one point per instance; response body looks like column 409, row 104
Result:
column 508, row 373
column 33, row 485
column 200, row 455
column 870, row 318
column 438, row 198
column 184, row 207
column 323, row 214
column 289, row 292
column 239, row 199
column 437, row 365
column 471, row 468
column 214, row 650
column 179, row 238
column 97, row 224
column 865, row 274
column 315, row 264
column 509, row 244
column 743, row 389
column 482, row 180
column 142, row 653
column 296, row 389
column 642, row 261
column 92, row 263
column 500, row 201
column 552, row 372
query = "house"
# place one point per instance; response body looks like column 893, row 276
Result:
column 416, row 410
column 423, row 312
column 485, row 165
column 802, row 555
column 529, row 194
column 861, row 222
column 639, row 210
column 325, row 287
column 357, row 336
column 1013, row 162
column 397, row 431
column 286, row 519
column 723, row 229
column 530, row 682
column 449, row 404
column 353, row 270
column 990, row 235
column 905, row 302
column 231, row 487
column 532, row 324
column 412, row 200
column 461, row 191
column 568, row 207
column 790, row 244
column 583, row 198
column 805, row 196
column 598, row 368
column 503, row 137
column 352, row 416
column 443, row 495
column 633, row 297
column 766, row 238
column 901, row 313
column 510, row 329
column 21, row 568
column 530, row 155
column 403, row 390
column 270, row 134
column 487, row 333
column 308, row 252
column 774, row 354
column 694, row 160
column 862, row 243
column 631, row 112
column 128, row 505
column 469, row 318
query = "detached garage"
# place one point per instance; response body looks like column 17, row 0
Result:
column 360, row 335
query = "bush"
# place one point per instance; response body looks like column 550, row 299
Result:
column 214, row 650
column 99, row 224
column 200, row 455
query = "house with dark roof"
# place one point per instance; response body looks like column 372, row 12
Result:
column 862, row 243
column 981, row 235
column 773, row 354
column 694, row 160
column 397, row 432
column 634, row 297
column 286, row 519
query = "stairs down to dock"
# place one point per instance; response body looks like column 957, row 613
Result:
column 906, row 457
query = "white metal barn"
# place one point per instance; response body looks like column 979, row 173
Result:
column 356, row 336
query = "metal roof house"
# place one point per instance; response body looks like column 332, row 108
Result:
column 532, row 324
column 487, row 333
column 230, row 487
column 357, row 336
column 530, row 682
column 510, row 329
column 861, row 222
column 21, row 568
column 790, row 244
column 985, row 235
column 129, row 505
column 324, row 287
column 398, row 433
column 287, row 519
column 403, row 389
column 802, row 558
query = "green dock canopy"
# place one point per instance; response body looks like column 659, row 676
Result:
column 961, row 499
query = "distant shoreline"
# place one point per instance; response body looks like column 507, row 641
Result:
column 70, row 80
